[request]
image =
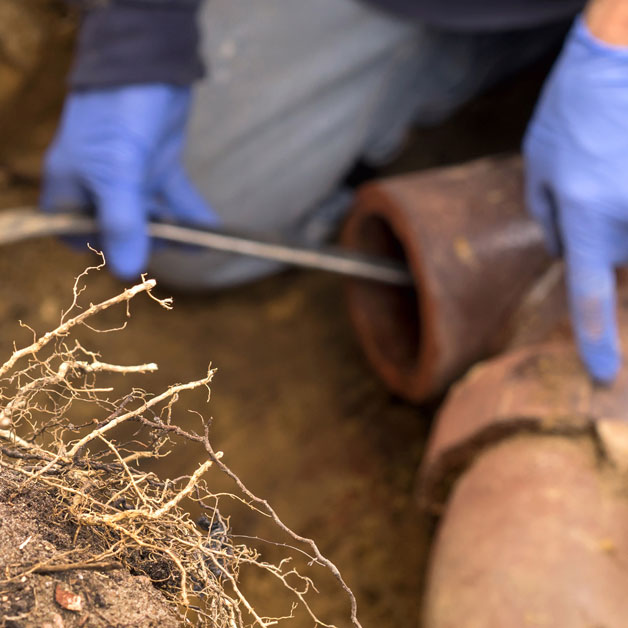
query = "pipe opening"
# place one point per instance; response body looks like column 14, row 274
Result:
column 390, row 313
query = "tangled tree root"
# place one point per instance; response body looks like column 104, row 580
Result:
column 124, row 516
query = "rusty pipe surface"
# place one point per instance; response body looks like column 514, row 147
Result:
column 527, row 467
column 473, row 253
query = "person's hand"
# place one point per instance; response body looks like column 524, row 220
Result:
column 119, row 150
column 576, row 157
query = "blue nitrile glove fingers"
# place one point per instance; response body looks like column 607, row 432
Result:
column 121, row 148
column 178, row 191
column 594, row 248
column 539, row 200
column 592, row 302
column 576, row 154
column 61, row 186
column 174, row 195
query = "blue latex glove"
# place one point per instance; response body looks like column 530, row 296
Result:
column 120, row 149
column 576, row 154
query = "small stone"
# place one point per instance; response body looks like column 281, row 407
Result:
column 68, row 600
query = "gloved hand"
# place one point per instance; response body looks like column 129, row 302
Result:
column 120, row 149
column 576, row 156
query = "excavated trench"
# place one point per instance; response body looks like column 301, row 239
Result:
column 297, row 411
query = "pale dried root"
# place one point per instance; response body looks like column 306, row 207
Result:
column 138, row 520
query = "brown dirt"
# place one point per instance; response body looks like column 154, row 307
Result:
column 31, row 531
column 36, row 42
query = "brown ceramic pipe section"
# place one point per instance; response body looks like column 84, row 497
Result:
column 527, row 467
column 473, row 253
column 535, row 535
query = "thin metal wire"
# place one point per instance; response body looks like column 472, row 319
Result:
column 26, row 223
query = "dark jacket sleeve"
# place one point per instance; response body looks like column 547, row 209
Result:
column 124, row 42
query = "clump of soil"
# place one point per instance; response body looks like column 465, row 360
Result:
column 78, row 499
column 33, row 531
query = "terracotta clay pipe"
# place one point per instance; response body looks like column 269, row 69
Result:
column 473, row 253
column 527, row 467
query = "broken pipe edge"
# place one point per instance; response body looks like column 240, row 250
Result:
column 536, row 390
